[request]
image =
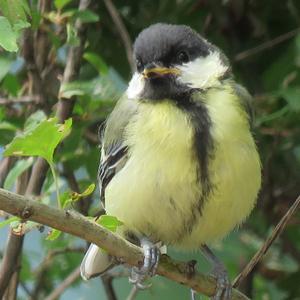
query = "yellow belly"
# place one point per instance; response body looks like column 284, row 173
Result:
column 155, row 192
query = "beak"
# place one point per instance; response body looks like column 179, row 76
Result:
column 155, row 72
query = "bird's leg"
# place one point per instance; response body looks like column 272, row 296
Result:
column 151, row 259
column 219, row 271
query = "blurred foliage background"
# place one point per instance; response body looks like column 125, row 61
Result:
column 261, row 39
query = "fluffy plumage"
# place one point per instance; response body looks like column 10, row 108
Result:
column 189, row 170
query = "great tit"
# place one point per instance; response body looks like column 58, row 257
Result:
column 179, row 164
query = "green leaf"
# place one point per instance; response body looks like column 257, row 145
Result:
column 41, row 141
column 15, row 10
column 20, row 24
column 60, row 4
column 89, row 190
column 109, row 222
column 72, row 38
column 11, row 84
column 16, row 171
column 86, row 16
column 8, row 37
column 34, row 120
column 53, row 235
column 74, row 88
column 97, row 62
column 8, row 221
column 7, row 126
column 292, row 97
column 5, row 64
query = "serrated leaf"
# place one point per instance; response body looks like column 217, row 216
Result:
column 109, row 222
column 60, row 4
column 97, row 62
column 53, row 235
column 16, row 171
column 41, row 141
column 8, row 37
column 8, row 221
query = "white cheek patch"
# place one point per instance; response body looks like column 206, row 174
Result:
column 204, row 72
column 136, row 86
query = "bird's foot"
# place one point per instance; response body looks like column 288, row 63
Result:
column 151, row 259
column 224, row 288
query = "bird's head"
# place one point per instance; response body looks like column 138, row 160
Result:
column 172, row 60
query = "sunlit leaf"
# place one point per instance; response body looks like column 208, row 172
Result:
column 41, row 141
column 60, row 4
column 89, row 190
column 53, row 235
column 15, row 10
column 109, row 222
column 8, row 37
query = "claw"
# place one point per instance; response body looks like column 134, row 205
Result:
column 224, row 288
column 151, row 260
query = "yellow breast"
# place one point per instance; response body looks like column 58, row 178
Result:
column 155, row 193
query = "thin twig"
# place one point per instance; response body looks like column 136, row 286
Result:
column 122, row 31
column 269, row 44
column 73, row 276
column 41, row 270
column 107, row 282
column 133, row 293
column 74, row 223
column 19, row 100
column 262, row 251
column 5, row 166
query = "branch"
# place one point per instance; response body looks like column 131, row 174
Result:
column 122, row 30
column 73, row 276
column 264, row 46
column 8, row 265
column 74, row 223
column 41, row 270
column 64, row 111
column 19, row 100
column 267, row 244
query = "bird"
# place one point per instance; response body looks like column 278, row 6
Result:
column 179, row 162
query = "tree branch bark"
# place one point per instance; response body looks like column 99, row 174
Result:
column 64, row 111
column 122, row 31
column 74, row 223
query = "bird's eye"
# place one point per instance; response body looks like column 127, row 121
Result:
column 182, row 57
column 139, row 65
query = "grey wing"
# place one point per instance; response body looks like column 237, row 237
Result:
column 246, row 101
column 114, row 154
